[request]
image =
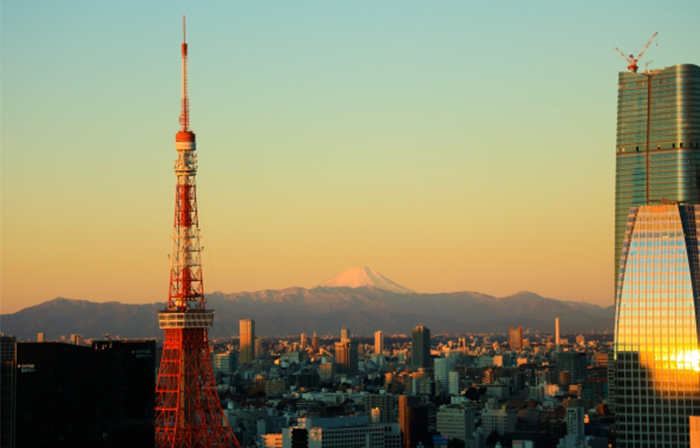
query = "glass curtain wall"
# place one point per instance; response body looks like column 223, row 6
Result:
column 657, row 356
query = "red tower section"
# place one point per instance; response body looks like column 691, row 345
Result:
column 188, row 409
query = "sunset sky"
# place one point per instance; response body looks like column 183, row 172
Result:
column 449, row 145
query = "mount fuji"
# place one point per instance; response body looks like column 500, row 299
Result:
column 358, row 277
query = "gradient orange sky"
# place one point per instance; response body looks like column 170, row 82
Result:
column 449, row 146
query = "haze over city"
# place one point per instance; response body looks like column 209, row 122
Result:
column 449, row 146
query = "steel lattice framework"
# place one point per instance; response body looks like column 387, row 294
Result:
column 188, row 410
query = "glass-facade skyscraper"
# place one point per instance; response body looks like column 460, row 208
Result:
column 658, row 111
column 657, row 355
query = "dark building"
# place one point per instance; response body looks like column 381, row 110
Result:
column 575, row 363
column 385, row 403
column 74, row 396
column 420, row 347
column 315, row 343
column 7, row 390
column 413, row 419
column 346, row 357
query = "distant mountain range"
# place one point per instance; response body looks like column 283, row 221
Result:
column 325, row 309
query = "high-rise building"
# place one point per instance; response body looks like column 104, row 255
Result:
column 188, row 408
column 443, row 367
column 8, row 389
column 315, row 343
column 344, row 333
column 413, row 419
column 557, row 335
column 453, row 382
column 258, row 347
column 420, row 347
column 378, row 342
column 456, row 422
column 302, row 341
column 247, row 341
column 346, row 357
column 516, row 338
column 385, row 403
column 656, row 350
column 658, row 111
column 82, row 396
column 224, row 363
column 575, row 363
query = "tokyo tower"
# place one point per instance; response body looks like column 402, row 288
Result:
column 188, row 410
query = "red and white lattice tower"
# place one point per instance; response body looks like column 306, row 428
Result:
column 188, row 410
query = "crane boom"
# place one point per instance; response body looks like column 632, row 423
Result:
column 647, row 46
column 631, row 60
column 627, row 58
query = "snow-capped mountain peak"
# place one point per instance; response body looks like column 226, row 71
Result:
column 357, row 277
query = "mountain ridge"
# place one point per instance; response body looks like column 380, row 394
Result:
column 323, row 309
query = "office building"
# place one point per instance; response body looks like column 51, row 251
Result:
column 557, row 335
column 516, row 338
column 498, row 418
column 247, row 341
column 385, row 403
column 344, row 333
column 443, row 367
column 575, row 363
column 413, row 420
column 658, row 111
column 8, row 372
column 82, row 396
column 378, row 342
column 341, row 432
column 224, row 363
column 420, row 347
column 258, row 347
column 457, row 422
column 303, row 342
column 453, row 380
column 315, row 343
column 346, row 357
column 656, row 380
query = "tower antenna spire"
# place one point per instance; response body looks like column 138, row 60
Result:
column 185, row 106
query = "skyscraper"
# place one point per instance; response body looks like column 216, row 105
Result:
column 346, row 357
column 378, row 342
column 247, row 341
column 657, row 355
column 420, row 347
column 413, row 418
column 516, row 338
column 658, row 111
column 315, row 343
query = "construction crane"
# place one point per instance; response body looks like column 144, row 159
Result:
column 633, row 67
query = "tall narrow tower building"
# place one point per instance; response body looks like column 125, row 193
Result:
column 658, row 141
column 247, row 341
column 188, row 409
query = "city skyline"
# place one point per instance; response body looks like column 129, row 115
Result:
column 336, row 135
